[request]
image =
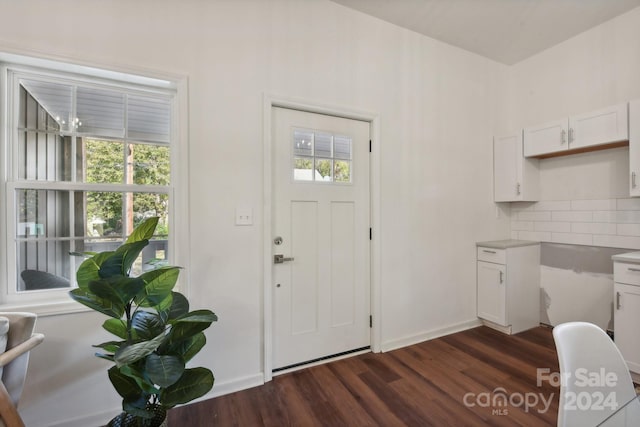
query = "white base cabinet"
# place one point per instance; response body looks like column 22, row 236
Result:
column 626, row 309
column 508, row 284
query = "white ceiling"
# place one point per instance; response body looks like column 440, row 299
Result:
column 506, row 31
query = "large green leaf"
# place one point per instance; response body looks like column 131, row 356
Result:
column 110, row 346
column 111, row 308
column 125, row 386
column 137, row 372
column 117, row 327
column 179, row 306
column 117, row 288
column 119, row 262
column 89, row 269
column 194, row 383
column 191, row 323
column 146, row 324
column 143, row 231
column 164, row 370
column 163, row 307
column 190, row 347
column 135, row 352
column 158, row 285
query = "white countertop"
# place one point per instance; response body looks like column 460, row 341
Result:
column 633, row 257
column 510, row 243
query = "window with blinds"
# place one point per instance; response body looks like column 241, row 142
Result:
column 87, row 161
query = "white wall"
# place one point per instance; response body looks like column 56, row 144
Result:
column 438, row 107
column 584, row 197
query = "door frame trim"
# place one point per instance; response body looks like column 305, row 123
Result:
column 269, row 102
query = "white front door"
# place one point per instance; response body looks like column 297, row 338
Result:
column 321, row 222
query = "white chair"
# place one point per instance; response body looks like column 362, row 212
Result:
column 595, row 380
column 16, row 332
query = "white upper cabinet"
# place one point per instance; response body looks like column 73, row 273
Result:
column 551, row 137
column 578, row 133
column 514, row 177
column 604, row 126
column 634, row 148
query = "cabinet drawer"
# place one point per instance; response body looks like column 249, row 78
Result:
column 498, row 256
column 628, row 273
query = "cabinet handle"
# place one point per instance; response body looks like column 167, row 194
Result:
column 618, row 301
column 518, row 189
column 633, row 269
column 633, row 180
column 488, row 251
column 501, row 277
column 563, row 136
column 570, row 135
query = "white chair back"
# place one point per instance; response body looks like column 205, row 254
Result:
column 595, row 380
column 14, row 360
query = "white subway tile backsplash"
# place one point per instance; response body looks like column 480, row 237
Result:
column 522, row 225
column 572, row 238
column 540, row 236
column 604, row 222
column 624, row 242
column 628, row 229
column 563, row 227
column 605, row 216
column 594, row 227
column 573, row 216
column 628, row 217
column 631, row 204
column 593, row 205
column 553, row 205
column 534, row 216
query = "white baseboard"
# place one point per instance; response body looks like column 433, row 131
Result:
column 231, row 386
column 429, row 335
column 219, row 389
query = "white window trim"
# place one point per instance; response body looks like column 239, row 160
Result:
column 54, row 302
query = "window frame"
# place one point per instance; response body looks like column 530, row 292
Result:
column 12, row 68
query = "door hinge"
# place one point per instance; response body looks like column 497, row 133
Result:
column 371, row 321
column 370, row 233
column 370, row 145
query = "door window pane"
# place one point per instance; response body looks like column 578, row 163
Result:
column 303, row 143
column 321, row 156
column 323, row 169
column 303, row 169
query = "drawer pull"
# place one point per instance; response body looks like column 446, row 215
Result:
column 493, row 252
column 633, row 269
column 501, row 277
column 617, row 300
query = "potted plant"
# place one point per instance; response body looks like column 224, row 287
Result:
column 156, row 333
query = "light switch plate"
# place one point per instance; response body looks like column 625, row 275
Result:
column 244, row 216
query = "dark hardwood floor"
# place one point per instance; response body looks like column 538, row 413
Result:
column 478, row 377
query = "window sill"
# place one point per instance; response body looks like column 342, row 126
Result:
column 44, row 309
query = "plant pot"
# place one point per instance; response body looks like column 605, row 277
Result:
column 126, row 420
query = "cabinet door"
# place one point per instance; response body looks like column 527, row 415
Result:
column 547, row 138
column 491, row 292
column 634, row 148
column 507, row 171
column 599, row 127
column 515, row 178
column 626, row 320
